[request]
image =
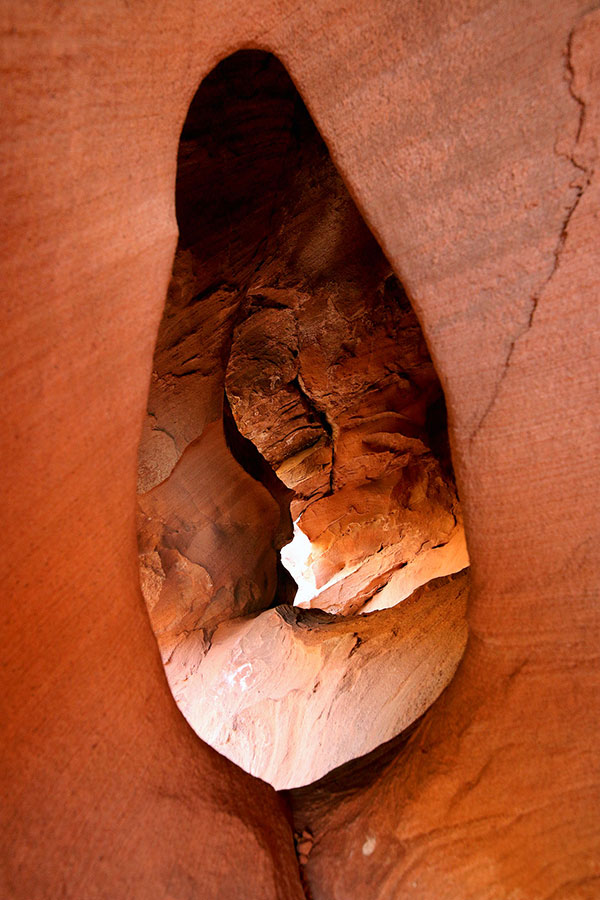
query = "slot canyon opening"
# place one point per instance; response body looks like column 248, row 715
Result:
column 302, row 553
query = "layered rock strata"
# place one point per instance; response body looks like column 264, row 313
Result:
column 338, row 398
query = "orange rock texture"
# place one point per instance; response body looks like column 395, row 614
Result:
column 468, row 135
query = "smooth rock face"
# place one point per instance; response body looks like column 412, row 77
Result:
column 468, row 134
column 291, row 694
column 206, row 541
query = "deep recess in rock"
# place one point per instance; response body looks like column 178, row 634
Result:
column 292, row 396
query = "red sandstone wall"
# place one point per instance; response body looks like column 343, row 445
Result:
column 468, row 133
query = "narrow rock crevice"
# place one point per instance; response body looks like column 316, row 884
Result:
column 301, row 543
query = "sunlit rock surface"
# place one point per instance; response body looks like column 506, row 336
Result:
column 291, row 694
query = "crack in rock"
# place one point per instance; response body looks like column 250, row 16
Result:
column 579, row 192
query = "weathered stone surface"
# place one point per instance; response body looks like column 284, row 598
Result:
column 291, row 694
column 269, row 406
column 403, row 526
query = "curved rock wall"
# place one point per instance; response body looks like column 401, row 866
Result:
column 468, row 135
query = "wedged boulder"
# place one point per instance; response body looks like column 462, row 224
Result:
column 339, row 405
column 290, row 694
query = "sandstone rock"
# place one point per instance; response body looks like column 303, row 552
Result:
column 468, row 135
column 332, row 382
column 362, row 535
column 268, row 404
column 495, row 793
column 289, row 694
